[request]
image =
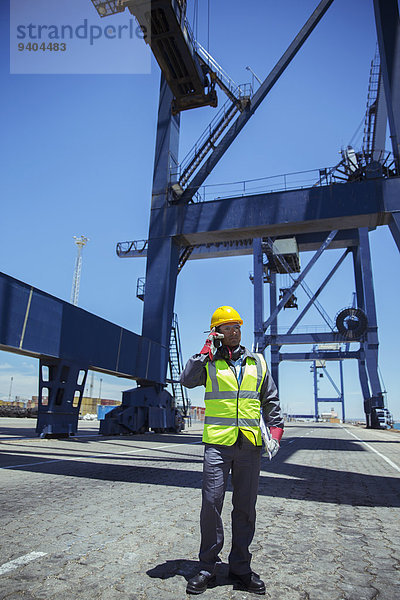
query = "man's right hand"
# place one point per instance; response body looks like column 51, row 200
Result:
column 212, row 343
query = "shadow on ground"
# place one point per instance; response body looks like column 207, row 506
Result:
column 280, row 478
column 188, row 569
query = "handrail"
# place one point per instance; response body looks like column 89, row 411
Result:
column 212, row 132
column 217, row 69
column 135, row 246
column 206, row 138
column 285, row 181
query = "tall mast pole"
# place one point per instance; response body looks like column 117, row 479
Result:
column 80, row 243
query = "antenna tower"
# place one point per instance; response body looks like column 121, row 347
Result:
column 80, row 243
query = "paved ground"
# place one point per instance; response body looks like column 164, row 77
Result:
column 117, row 518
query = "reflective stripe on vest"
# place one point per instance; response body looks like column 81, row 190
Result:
column 230, row 407
column 227, row 422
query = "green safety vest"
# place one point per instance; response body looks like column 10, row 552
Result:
column 230, row 407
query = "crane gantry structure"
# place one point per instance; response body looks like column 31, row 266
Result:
column 338, row 212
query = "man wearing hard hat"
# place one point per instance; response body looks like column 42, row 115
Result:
column 238, row 391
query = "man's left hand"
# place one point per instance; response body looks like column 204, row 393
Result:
column 272, row 443
column 273, row 448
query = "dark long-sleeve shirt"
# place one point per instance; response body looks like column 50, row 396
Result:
column 194, row 374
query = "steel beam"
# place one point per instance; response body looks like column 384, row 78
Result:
column 301, row 416
column 37, row 324
column 307, row 356
column 329, row 400
column 309, row 242
column 340, row 206
column 306, row 242
column 284, row 339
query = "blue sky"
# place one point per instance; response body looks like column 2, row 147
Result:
column 77, row 158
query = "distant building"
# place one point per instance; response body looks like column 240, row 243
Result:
column 197, row 413
column 329, row 417
column 88, row 405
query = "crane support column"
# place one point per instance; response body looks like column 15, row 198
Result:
column 150, row 405
column 163, row 252
column 342, row 390
column 274, row 331
column 363, row 375
column 315, row 374
column 61, row 387
column 366, row 301
column 258, row 283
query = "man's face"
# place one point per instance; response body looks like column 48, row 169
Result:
column 232, row 334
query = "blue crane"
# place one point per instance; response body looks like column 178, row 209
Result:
column 68, row 340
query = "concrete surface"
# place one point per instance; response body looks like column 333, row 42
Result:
column 117, row 518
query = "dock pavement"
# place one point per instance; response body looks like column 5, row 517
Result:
column 117, row 518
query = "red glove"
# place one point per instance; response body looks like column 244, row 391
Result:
column 212, row 343
column 276, row 433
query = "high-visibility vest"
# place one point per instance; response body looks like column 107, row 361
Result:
column 230, row 407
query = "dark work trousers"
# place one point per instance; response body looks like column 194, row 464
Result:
column 243, row 459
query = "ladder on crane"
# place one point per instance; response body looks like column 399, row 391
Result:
column 206, row 142
column 175, row 368
column 372, row 98
column 175, row 359
column 239, row 98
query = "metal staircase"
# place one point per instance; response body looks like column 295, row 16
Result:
column 370, row 115
column 372, row 161
column 185, row 253
column 175, row 360
column 206, row 142
column 208, row 139
column 175, row 368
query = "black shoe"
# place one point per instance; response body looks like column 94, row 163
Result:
column 250, row 582
column 199, row 583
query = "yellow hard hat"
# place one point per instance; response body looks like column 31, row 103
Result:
column 225, row 314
